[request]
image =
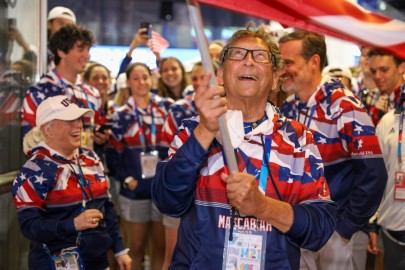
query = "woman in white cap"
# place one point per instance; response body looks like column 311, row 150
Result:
column 61, row 196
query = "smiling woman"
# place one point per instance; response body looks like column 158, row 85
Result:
column 137, row 139
column 60, row 121
column 172, row 79
column 62, row 179
column 65, row 135
column 98, row 76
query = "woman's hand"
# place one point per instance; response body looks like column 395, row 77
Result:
column 102, row 137
column 88, row 219
column 124, row 262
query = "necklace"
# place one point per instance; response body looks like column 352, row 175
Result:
column 253, row 125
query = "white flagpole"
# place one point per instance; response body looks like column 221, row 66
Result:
column 196, row 20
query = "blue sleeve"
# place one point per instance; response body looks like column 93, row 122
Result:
column 124, row 168
column 113, row 159
column 370, row 179
column 30, row 189
column 36, row 227
column 173, row 188
column 368, row 173
column 115, row 152
column 313, row 224
column 124, row 64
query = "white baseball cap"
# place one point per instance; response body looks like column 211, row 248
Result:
column 61, row 108
column 338, row 72
column 62, row 12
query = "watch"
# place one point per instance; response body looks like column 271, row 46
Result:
column 127, row 180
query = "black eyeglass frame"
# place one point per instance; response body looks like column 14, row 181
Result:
column 272, row 58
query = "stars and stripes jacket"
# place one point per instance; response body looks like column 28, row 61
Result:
column 377, row 103
column 181, row 109
column 346, row 139
column 124, row 159
column 48, row 197
column 188, row 185
column 51, row 85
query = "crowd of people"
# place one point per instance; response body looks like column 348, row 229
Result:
column 125, row 166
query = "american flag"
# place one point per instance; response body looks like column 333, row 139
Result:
column 157, row 43
column 339, row 18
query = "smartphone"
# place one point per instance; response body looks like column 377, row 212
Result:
column 12, row 22
column 105, row 126
column 148, row 26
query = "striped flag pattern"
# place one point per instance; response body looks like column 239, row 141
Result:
column 157, row 43
column 339, row 18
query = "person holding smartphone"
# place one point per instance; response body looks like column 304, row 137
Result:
column 140, row 38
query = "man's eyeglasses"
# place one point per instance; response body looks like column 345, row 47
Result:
column 259, row 56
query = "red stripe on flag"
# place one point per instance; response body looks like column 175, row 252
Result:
column 336, row 7
column 157, row 43
column 328, row 17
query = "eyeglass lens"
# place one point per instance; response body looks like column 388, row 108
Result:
column 239, row 54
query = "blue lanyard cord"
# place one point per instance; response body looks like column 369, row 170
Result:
column 82, row 183
column 142, row 137
column 401, row 128
column 311, row 115
column 232, row 209
column 264, row 173
column 87, row 98
column 265, row 169
column 65, row 88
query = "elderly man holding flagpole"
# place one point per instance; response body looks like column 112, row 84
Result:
column 274, row 201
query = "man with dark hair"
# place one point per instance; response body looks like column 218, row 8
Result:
column 57, row 17
column 70, row 45
column 387, row 71
column 346, row 139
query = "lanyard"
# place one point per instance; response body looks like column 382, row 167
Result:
column 401, row 128
column 264, row 171
column 65, row 88
column 311, row 115
column 142, row 137
column 82, row 183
